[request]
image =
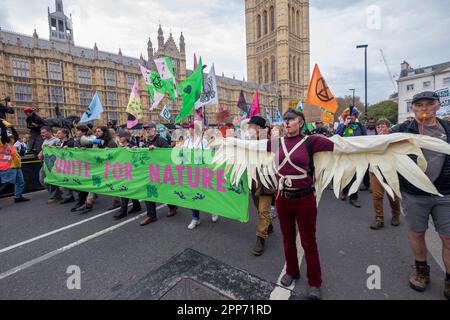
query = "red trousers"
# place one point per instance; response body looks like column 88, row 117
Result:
column 304, row 212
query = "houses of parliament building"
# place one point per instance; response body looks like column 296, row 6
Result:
column 45, row 73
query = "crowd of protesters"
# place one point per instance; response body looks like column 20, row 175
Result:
column 295, row 205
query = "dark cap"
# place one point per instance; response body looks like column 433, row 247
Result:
column 124, row 133
column 149, row 125
column 290, row 116
column 427, row 95
column 259, row 121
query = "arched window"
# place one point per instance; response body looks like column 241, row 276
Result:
column 266, row 71
column 272, row 19
column 289, row 15
column 266, row 26
column 260, row 73
column 298, row 23
column 293, row 21
column 258, row 19
column 298, row 71
column 294, row 69
column 273, row 69
column 290, row 68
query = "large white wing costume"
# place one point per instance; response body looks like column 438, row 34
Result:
column 386, row 154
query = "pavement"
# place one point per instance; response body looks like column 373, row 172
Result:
column 41, row 245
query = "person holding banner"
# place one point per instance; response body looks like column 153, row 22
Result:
column 154, row 141
column 125, row 142
column 195, row 141
column 105, row 140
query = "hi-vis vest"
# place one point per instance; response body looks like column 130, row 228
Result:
column 6, row 156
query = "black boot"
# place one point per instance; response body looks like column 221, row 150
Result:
column 121, row 214
column 258, row 250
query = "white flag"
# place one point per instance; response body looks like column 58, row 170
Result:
column 210, row 94
column 165, row 113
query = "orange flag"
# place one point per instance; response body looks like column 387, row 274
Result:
column 319, row 94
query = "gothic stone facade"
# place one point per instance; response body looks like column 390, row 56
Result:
column 278, row 47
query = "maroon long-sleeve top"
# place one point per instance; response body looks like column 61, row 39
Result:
column 300, row 157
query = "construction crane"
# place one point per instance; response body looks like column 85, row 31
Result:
column 389, row 71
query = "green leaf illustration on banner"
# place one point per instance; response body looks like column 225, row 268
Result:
column 97, row 181
column 152, row 191
column 165, row 176
column 49, row 162
column 198, row 196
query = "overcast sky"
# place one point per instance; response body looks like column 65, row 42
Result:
column 411, row 30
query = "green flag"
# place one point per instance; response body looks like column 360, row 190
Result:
column 190, row 90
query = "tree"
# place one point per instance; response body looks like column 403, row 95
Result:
column 346, row 102
column 385, row 109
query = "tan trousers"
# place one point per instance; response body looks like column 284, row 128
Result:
column 378, row 197
column 263, row 204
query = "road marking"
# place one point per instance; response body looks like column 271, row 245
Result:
column 281, row 292
column 55, row 231
column 56, row 252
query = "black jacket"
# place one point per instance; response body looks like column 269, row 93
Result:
column 158, row 142
column 4, row 110
column 36, row 120
column 443, row 182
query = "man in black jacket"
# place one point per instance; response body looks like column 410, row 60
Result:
column 34, row 123
column 6, row 108
column 417, row 205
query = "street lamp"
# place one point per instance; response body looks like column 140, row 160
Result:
column 353, row 96
column 365, row 60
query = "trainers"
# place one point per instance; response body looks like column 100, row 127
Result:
column 377, row 225
column 21, row 199
column 258, row 250
column 355, row 203
column 86, row 209
column 135, row 210
column 214, row 218
column 395, row 222
column 53, row 200
column 120, row 215
column 447, row 289
column 172, row 212
column 77, row 207
column 314, row 293
column 148, row 220
column 287, row 280
column 344, row 197
column 194, row 223
column 421, row 279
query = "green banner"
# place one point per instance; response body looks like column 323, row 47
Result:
column 171, row 176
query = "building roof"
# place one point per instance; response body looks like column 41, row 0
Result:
column 425, row 70
column 9, row 37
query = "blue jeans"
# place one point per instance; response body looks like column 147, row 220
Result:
column 15, row 177
column 53, row 191
column 195, row 214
